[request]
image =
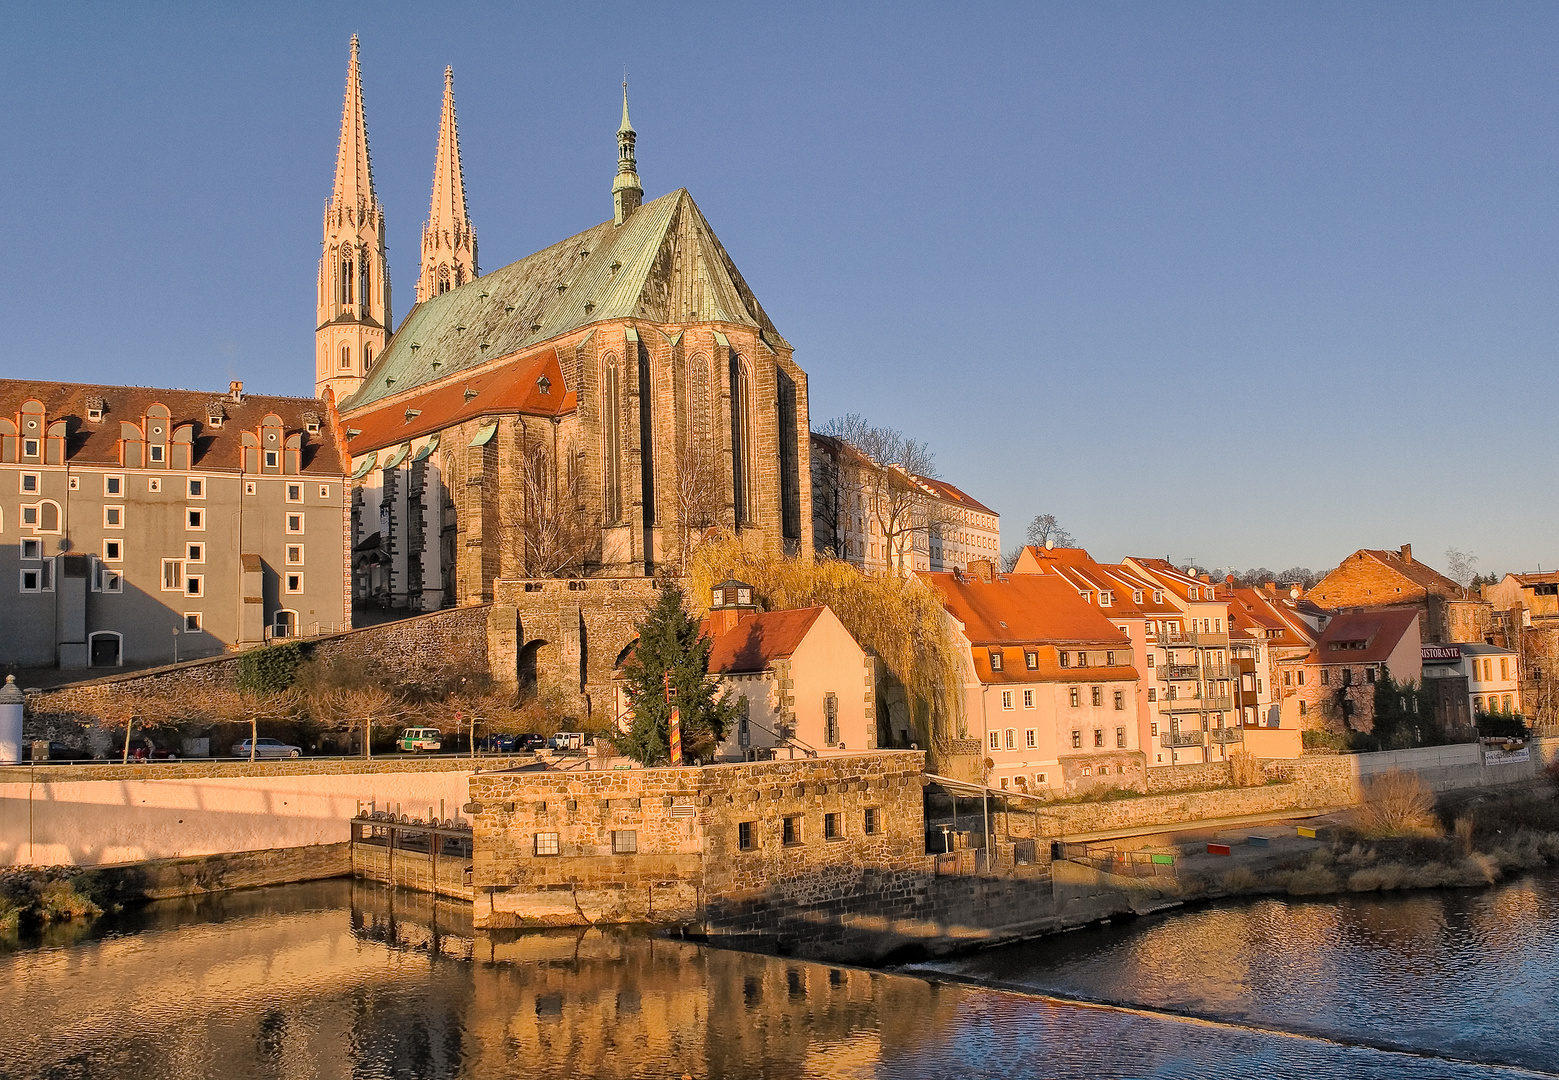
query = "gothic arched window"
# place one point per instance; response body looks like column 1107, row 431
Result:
column 368, row 356
column 611, row 427
column 741, row 441
column 346, row 282
column 346, row 358
column 443, row 280
column 362, row 289
column 700, row 426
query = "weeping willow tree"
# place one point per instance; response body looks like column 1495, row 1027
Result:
column 895, row 617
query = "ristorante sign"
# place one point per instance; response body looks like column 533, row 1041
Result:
column 1442, row 654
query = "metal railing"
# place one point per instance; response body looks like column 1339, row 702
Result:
column 1177, row 739
column 1122, row 863
column 1196, row 705
column 1228, row 735
column 1206, row 637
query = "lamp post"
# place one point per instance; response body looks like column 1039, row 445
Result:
column 175, row 644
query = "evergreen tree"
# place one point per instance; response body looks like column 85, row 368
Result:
column 669, row 645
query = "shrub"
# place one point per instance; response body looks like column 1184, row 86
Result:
column 1395, row 804
column 1502, row 726
column 271, row 669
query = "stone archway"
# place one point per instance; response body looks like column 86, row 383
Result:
column 526, row 667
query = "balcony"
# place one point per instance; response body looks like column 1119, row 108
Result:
column 1203, row 639
column 1228, row 735
column 1168, row 672
column 1196, row 705
column 1178, row 739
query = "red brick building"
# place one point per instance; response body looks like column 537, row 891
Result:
column 1372, row 578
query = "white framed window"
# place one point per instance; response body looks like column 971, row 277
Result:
column 1028, row 699
column 294, row 583
column 113, row 550
column 31, row 483
column 294, row 492
column 154, row 484
column 194, row 585
column 74, row 483
column 271, row 459
column 194, row 552
column 39, row 578
column 1012, row 738
column 154, row 452
column 32, row 549
column 1031, row 738
column 113, row 581
column 294, row 554
column 192, row 622
column 42, row 517
column 295, row 523
column 113, row 517
column 113, row 485
column 248, row 487
column 546, row 843
column 29, row 448
column 995, row 740
column 194, row 518
column 196, row 485
column 324, row 491
column 1006, row 699
column 173, row 575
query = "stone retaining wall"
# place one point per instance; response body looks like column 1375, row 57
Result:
column 203, row 768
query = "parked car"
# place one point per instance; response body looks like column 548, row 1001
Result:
column 567, row 740
column 144, row 750
column 416, row 739
column 62, row 752
column 267, row 748
column 501, row 743
column 532, row 742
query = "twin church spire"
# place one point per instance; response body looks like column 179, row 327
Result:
column 354, row 272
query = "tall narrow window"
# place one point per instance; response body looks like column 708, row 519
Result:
column 346, row 282
column 646, row 454
column 612, row 426
column 368, row 356
column 346, row 358
column 362, row 286
column 741, row 442
column 789, row 450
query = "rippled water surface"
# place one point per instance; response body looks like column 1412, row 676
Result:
column 342, row 980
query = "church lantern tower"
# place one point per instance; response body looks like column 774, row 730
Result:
column 354, row 268
column 627, row 192
column 448, row 240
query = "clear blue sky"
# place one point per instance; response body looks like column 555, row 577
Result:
column 1259, row 284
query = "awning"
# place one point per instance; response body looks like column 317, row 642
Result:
column 483, row 437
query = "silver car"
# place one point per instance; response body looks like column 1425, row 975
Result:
column 266, row 748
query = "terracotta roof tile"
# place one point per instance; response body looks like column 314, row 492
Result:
column 1023, row 608
column 758, row 640
column 1381, row 631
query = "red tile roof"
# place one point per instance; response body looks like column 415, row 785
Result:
column 1381, row 631
column 943, row 490
column 759, row 640
column 1023, row 608
column 507, row 387
column 1251, row 609
column 214, row 447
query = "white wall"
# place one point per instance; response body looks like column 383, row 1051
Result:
column 92, row 822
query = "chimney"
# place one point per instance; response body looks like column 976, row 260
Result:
column 235, row 390
column 982, row 570
column 1269, row 587
column 1407, row 552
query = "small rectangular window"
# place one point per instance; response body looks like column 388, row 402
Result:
column 1152, row 693
column 271, row 459
column 30, row 516
column 32, row 548
column 113, row 485
column 1073, row 698
column 195, row 585
column 1098, row 736
column 1120, row 700
column 1120, row 737
column 1006, row 699
column 194, row 519
column 1097, row 695
column 197, row 487
column 995, row 660
column 113, row 517
column 1031, row 660
column 154, row 452
column 172, row 575
column 546, row 843
column 625, row 842
column 1012, row 739
column 831, row 829
column 869, row 821
column 1028, row 699
column 192, row 622
column 995, row 740
column 747, row 836
column 1031, row 738
column 30, row 482
column 294, row 492
column 195, row 552
column 113, row 550
column 1064, row 655
column 790, row 830
column 295, row 523
column 294, row 554
column 294, row 583
column 113, row 581
column 1153, row 729
column 29, row 447
column 1077, row 740
column 32, row 580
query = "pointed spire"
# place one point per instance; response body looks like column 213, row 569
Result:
column 448, row 240
column 354, row 169
column 627, row 192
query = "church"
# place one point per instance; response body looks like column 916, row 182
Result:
column 586, row 412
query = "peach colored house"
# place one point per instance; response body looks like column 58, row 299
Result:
column 1049, row 683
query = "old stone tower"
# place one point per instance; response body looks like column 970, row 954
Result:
column 354, row 270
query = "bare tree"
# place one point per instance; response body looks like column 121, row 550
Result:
column 700, row 494
column 1046, row 531
column 551, row 534
column 1461, row 567
column 889, row 483
column 830, row 496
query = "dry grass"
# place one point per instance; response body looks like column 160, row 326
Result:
column 897, row 618
column 1245, row 770
column 1396, row 804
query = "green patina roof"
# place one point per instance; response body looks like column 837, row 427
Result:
column 670, row 268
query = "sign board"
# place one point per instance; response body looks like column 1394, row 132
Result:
column 1442, row 654
column 1506, row 757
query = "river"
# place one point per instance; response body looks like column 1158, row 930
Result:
column 341, row 979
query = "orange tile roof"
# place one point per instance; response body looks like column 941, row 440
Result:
column 1250, row 608
column 759, row 640
column 942, row 489
column 507, row 387
column 1380, row 629
column 214, row 447
column 1023, row 608
column 1178, row 581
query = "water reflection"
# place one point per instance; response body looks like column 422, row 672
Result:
column 1464, row 973
column 351, row 980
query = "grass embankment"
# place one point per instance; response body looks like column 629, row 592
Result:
column 1399, row 838
column 55, row 894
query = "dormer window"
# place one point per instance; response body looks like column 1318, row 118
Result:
column 544, row 384
column 1193, row 593
column 95, row 410
column 995, row 656
column 1136, row 596
column 1158, row 596
column 1031, row 659
column 311, row 423
column 1106, row 598
column 1087, row 596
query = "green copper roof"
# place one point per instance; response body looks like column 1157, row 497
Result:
column 663, row 264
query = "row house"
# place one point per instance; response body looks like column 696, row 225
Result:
column 1268, row 642
column 1049, row 683
column 141, row 526
column 1526, row 620
column 879, row 517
